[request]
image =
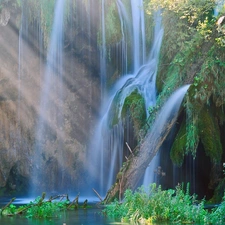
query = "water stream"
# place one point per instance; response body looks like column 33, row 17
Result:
column 108, row 144
column 168, row 112
column 50, row 117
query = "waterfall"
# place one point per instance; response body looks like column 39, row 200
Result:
column 22, row 32
column 50, row 117
column 218, row 7
column 168, row 112
column 126, row 31
column 103, row 52
column 138, row 33
column 106, row 153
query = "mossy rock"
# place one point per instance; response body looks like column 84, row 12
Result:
column 207, row 130
column 209, row 134
column 134, row 105
column 179, row 146
column 218, row 192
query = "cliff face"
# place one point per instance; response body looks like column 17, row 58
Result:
column 22, row 69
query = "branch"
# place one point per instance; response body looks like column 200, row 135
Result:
column 11, row 201
column 75, row 202
column 97, row 194
column 129, row 149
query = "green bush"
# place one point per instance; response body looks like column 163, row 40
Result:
column 157, row 205
column 37, row 208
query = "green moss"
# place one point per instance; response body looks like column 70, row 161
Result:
column 209, row 133
column 203, row 127
column 194, row 104
column 219, row 192
column 134, row 105
column 179, row 146
column 114, row 116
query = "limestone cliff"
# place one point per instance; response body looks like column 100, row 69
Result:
column 22, row 66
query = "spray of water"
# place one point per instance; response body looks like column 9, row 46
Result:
column 106, row 150
column 169, row 111
column 46, row 119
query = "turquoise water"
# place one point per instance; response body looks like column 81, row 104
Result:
column 90, row 216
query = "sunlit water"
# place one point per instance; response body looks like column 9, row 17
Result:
column 91, row 216
column 107, row 145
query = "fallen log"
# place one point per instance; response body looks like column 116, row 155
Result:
column 136, row 165
column 134, row 168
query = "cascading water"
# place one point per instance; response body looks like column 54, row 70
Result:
column 168, row 112
column 103, row 52
column 125, row 31
column 50, row 117
column 106, row 154
column 138, row 25
column 22, row 32
column 218, row 7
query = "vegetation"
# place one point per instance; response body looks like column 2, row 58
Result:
column 193, row 53
column 157, row 205
column 134, row 106
column 40, row 208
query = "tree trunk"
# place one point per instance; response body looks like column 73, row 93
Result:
column 134, row 169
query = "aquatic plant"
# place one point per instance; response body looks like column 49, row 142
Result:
column 41, row 208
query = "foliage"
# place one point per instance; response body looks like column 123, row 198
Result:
column 40, row 208
column 217, row 215
column 46, row 209
column 10, row 210
column 183, row 16
column 193, row 53
column 210, row 135
column 201, row 125
column 157, row 205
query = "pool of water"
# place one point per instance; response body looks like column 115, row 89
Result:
column 90, row 216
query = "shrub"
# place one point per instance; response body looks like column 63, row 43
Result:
column 156, row 205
